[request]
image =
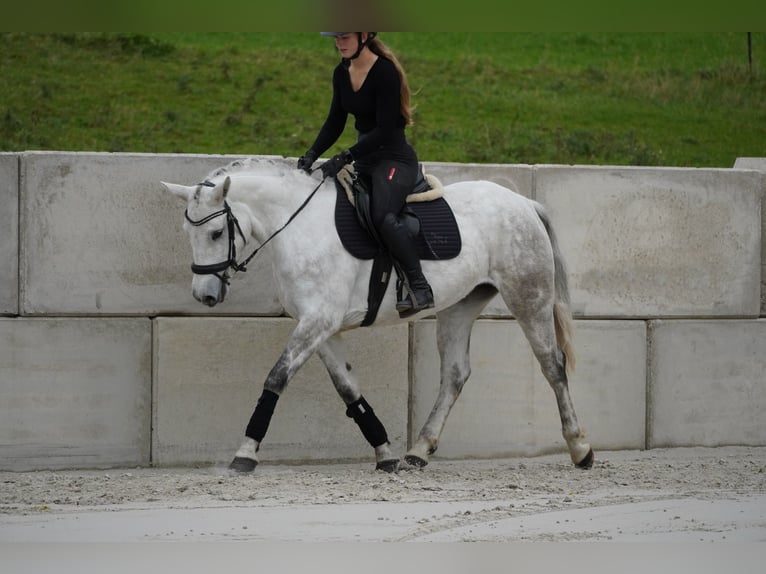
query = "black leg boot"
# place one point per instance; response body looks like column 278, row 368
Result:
column 418, row 295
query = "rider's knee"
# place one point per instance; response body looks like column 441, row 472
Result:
column 388, row 221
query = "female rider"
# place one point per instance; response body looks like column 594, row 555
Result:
column 370, row 84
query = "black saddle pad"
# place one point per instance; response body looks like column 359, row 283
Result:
column 439, row 236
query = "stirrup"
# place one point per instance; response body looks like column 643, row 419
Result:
column 404, row 304
column 410, row 305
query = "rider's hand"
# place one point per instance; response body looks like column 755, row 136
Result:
column 306, row 161
column 332, row 166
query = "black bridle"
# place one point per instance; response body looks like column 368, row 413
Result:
column 221, row 269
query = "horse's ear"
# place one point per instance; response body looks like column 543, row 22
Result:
column 182, row 191
column 220, row 191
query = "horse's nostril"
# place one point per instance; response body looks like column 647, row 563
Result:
column 209, row 300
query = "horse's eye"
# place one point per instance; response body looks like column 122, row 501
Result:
column 215, row 235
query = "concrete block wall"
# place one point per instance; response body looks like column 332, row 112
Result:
column 643, row 242
column 9, row 234
column 208, row 374
column 758, row 164
column 706, row 383
column 100, row 237
column 75, row 392
column 105, row 358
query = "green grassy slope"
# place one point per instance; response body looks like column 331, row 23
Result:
column 606, row 98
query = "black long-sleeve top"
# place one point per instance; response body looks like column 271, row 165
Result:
column 376, row 107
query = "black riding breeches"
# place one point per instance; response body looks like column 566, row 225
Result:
column 391, row 182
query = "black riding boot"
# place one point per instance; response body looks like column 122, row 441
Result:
column 417, row 294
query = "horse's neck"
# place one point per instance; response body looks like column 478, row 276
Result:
column 271, row 200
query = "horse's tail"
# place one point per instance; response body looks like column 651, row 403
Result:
column 562, row 314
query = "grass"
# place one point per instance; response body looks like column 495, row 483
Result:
column 588, row 98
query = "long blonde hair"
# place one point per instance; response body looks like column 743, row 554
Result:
column 376, row 46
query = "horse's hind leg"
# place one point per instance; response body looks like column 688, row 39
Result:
column 540, row 332
column 453, row 333
column 357, row 407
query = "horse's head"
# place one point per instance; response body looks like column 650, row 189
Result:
column 215, row 235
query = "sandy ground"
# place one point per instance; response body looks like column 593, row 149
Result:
column 711, row 495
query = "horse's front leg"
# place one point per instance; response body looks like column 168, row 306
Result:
column 304, row 341
column 357, row 408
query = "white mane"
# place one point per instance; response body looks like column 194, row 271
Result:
column 261, row 166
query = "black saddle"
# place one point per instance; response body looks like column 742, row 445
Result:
column 431, row 223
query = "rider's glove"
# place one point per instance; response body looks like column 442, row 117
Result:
column 332, row 166
column 307, row 160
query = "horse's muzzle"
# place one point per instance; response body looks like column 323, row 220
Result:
column 210, row 297
column 209, row 300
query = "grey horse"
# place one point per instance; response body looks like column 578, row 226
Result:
column 508, row 247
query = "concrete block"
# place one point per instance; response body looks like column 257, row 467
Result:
column 707, row 383
column 76, row 393
column 519, row 178
column 209, row 373
column 649, row 242
column 759, row 164
column 100, row 236
column 9, row 234
column 507, row 408
column 756, row 163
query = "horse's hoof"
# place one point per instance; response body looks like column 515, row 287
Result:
column 242, row 464
column 391, row 465
column 587, row 462
column 415, row 460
